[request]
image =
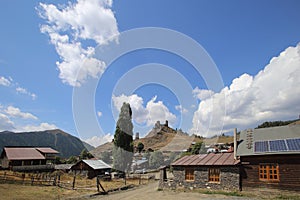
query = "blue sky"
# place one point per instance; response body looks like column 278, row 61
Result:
column 254, row 45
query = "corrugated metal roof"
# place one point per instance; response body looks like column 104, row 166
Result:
column 207, row 159
column 97, row 164
column 63, row 166
column 47, row 150
column 23, row 153
column 247, row 141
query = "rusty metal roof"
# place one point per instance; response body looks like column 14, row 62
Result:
column 23, row 153
column 207, row 159
column 46, row 150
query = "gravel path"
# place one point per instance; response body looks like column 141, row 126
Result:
column 150, row 192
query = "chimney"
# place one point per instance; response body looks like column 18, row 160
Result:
column 234, row 143
column 167, row 123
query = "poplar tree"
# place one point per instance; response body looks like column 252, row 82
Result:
column 123, row 140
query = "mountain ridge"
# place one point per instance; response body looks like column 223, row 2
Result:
column 68, row 145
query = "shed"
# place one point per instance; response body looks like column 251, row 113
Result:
column 270, row 157
column 214, row 170
column 26, row 156
column 92, row 167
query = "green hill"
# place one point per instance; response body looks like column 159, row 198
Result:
column 59, row 140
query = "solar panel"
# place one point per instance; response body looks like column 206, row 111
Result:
column 261, row 146
column 293, row 144
column 277, row 145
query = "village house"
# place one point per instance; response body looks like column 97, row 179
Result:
column 21, row 158
column 270, row 157
column 92, row 168
column 213, row 170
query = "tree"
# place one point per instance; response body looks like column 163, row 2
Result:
column 156, row 159
column 59, row 160
column 140, row 147
column 275, row 123
column 123, row 141
column 196, row 148
column 72, row 160
column 85, row 155
column 147, row 155
column 105, row 156
column 172, row 157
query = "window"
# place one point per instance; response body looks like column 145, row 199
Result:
column 214, row 175
column 189, row 174
column 269, row 172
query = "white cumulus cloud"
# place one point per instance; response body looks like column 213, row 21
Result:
column 272, row 94
column 6, row 123
column 40, row 127
column 97, row 140
column 202, row 94
column 4, row 81
column 69, row 27
column 13, row 119
column 151, row 113
column 17, row 113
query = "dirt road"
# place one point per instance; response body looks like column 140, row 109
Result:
column 150, row 192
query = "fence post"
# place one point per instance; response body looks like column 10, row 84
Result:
column 58, row 181
column 23, row 177
column 140, row 179
column 4, row 176
column 54, row 180
column 97, row 180
column 32, row 179
column 73, row 186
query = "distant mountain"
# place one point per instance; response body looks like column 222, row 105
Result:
column 59, row 140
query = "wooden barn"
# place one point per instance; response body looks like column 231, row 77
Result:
column 27, row 158
column 270, row 157
column 218, row 171
column 91, row 168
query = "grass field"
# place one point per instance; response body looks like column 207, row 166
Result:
column 14, row 188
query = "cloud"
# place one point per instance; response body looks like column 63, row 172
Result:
column 181, row 109
column 17, row 113
column 26, row 92
column 12, row 119
column 10, row 82
column 96, row 141
column 69, row 27
column 6, row 123
column 153, row 111
column 4, row 81
column 41, row 127
column 99, row 114
column 272, row 94
column 202, row 94
column 139, row 112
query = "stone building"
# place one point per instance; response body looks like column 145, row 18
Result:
column 218, row 171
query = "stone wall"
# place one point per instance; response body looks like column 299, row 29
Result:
column 229, row 179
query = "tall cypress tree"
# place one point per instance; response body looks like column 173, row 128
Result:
column 123, row 141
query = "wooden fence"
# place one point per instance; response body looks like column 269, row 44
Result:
column 72, row 182
column 28, row 179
